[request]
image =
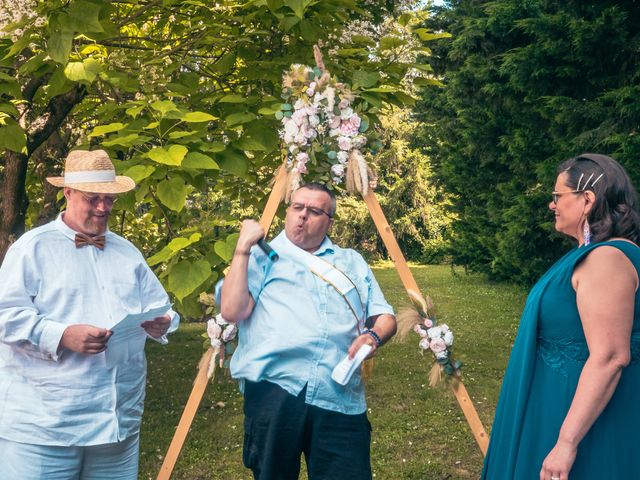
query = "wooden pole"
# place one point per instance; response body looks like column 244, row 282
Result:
column 409, row 283
column 188, row 414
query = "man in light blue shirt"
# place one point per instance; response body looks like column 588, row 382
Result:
column 65, row 413
column 298, row 317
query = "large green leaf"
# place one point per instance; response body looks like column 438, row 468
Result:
column 186, row 276
column 173, row 247
column 85, row 71
column 128, row 140
column 168, row 156
column 164, row 106
column 12, row 136
column 234, row 162
column 362, row 78
column 239, row 118
column 102, row 129
column 140, row 172
column 196, row 117
column 59, row 46
column 200, row 161
column 298, row 6
column 173, row 193
column 225, row 248
column 83, row 16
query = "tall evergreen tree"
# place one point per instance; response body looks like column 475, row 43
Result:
column 527, row 84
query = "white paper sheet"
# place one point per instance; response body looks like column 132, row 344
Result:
column 128, row 336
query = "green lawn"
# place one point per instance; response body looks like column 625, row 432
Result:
column 418, row 432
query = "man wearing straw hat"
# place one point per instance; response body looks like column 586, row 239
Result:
column 65, row 412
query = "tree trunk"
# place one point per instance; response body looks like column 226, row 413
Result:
column 14, row 203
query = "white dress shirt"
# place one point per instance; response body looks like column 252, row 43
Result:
column 59, row 397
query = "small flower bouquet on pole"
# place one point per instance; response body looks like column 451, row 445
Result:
column 438, row 339
column 325, row 130
column 219, row 337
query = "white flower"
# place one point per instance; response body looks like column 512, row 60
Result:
column 302, row 157
column 424, row 344
column 346, row 114
column 299, row 104
column 434, row 332
column 444, row 327
column 336, row 180
column 334, row 132
column 299, row 116
column 337, row 169
column 344, row 143
column 343, row 157
column 344, row 103
column 314, row 120
column 216, row 342
column 220, row 320
column 448, row 338
column 229, row 333
column 213, row 329
column 291, row 128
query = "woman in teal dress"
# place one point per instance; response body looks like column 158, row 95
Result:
column 570, row 401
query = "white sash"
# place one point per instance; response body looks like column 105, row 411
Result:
column 334, row 277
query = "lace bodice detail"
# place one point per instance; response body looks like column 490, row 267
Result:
column 556, row 353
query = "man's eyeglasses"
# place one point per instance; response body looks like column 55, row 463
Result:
column 94, row 200
column 313, row 211
column 555, row 196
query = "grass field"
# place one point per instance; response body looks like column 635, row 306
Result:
column 418, row 432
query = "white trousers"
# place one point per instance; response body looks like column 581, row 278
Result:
column 112, row 461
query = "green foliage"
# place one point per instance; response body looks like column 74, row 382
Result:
column 527, row 85
column 184, row 96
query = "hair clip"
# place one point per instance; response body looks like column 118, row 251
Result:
column 586, row 184
column 596, row 180
column 579, row 180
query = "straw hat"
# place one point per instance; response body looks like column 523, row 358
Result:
column 92, row 171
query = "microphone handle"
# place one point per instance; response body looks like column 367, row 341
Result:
column 266, row 248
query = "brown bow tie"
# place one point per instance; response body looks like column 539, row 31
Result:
column 83, row 240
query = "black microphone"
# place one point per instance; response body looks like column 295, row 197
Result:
column 270, row 252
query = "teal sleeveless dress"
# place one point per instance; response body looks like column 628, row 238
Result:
column 541, row 379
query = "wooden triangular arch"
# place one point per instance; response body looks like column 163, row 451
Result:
column 200, row 383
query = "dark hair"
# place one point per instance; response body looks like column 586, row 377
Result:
column 320, row 187
column 615, row 211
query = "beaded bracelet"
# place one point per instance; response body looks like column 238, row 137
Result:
column 373, row 335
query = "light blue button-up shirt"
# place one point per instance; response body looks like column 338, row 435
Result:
column 46, row 283
column 301, row 327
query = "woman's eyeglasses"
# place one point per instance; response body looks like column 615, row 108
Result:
column 555, row 196
column 313, row 211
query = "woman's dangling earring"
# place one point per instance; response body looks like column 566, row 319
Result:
column 586, row 232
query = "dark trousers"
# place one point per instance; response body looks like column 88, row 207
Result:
column 279, row 428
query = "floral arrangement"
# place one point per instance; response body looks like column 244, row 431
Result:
column 221, row 334
column 323, row 127
column 219, row 337
column 435, row 338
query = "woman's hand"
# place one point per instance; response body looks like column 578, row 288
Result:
column 558, row 463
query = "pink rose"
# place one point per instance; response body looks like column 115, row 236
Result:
column 428, row 323
column 438, row 345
